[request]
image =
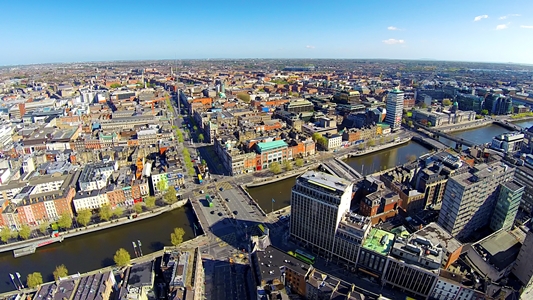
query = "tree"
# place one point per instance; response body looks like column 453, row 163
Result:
column 115, row 85
column 34, row 279
column 25, row 232
column 204, row 162
column 195, row 128
column 275, row 168
column 244, row 97
column 410, row 123
column 43, row 228
column 118, row 212
column 5, row 234
column 161, row 185
column 423, row 105
column 201, row 138
column 176, row 237
column 180, row 136
column 484, row 112
column 122, row 257
column 288, row 165
column 60, row 271
column 323, row 142
column 138, row 207
column 149, row 201
column 371, row 143
column 65, row 221
column 105, row 212
column 429, row 124
column 299, row 162
column 170, row 196
column 84, row 217
column 382, row 140
column 316, row 136
column 446, row 102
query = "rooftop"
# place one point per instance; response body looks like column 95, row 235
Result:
column 141, row 275
column 326, row 181
column 273, row 262
column 263, row 147
column 379, row 241
column 438, row 236
column 512, row 186
column 499, row 249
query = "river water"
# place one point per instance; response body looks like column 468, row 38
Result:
column 95, row 250
column 281, row 191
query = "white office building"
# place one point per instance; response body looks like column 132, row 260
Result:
column 318, row 204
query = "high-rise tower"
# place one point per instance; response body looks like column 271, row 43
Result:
column 394, row 109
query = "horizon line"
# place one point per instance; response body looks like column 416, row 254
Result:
column 259, row 58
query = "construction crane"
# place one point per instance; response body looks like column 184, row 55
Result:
column 152, row 102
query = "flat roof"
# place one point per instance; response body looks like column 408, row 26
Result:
column 272, row 263
column 513, row 185
column 325, row 180
column 438, row 236
column 502, row 249
column 373, row 241
column 271, row 145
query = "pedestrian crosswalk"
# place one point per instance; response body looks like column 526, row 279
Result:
column 225, row 185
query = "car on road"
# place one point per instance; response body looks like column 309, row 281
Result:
column 221, row 189
column 212, row 212
column 201, row 191
column 235, row 212
column 219, row 214
column 227, row 199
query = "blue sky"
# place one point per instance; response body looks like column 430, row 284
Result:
column 68, row 31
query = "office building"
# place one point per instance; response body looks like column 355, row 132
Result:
column 414, row 265
column 352, row 230
column 494, row 256
column 508, row 142
column 394, row 109
column 469, row 198
column 451, row 248
column 373, row 254
column 506, row 206
column 318, row 203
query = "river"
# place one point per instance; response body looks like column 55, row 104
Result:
column 281, row 191
column 95, row 250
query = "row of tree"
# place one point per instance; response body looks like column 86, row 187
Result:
column 35, row 279
column 276, row 167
